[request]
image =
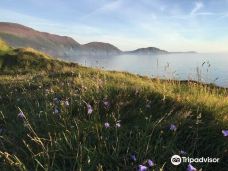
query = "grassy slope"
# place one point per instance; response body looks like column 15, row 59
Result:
column 3, row 47
column 75, row 140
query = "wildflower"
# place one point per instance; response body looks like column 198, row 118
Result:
column 150, row 163
column 89, row 109
column 225, row 133
column 56, row 110
column 173, row 127
column 142, row 168
column 183, row 152
column 21, row 115
column 118, row 125
column 106, row 103
column 133, row 157
column 191, row 168
column 55, row 99
column 67, row 103
column 107, row 125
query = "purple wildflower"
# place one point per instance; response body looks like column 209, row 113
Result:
column 107, row 125
column 183, row 152
column 173, row 127
column 21, row 115
column 56, row 111
column 225, row 133
column 133, row 157
column 89, row 109
column 142, row 168
column 106, row 103
column 150, row 163
column 191, row 168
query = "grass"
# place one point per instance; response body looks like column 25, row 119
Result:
column 3, row 47
column 55, row 135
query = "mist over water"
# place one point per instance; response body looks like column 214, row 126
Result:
column 208, row 68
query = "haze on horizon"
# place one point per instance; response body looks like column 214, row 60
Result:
column 177, row 25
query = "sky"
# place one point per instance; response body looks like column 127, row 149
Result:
column 173, row 25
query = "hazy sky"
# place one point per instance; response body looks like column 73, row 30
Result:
column 174, row 25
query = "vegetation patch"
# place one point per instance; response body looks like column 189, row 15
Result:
column 56, row 115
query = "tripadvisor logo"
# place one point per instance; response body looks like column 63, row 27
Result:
column 176, row 160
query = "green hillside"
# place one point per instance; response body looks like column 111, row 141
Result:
column 3, row 47
column 56, row 115
column 27, row 60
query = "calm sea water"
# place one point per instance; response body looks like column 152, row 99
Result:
column 208, row 68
